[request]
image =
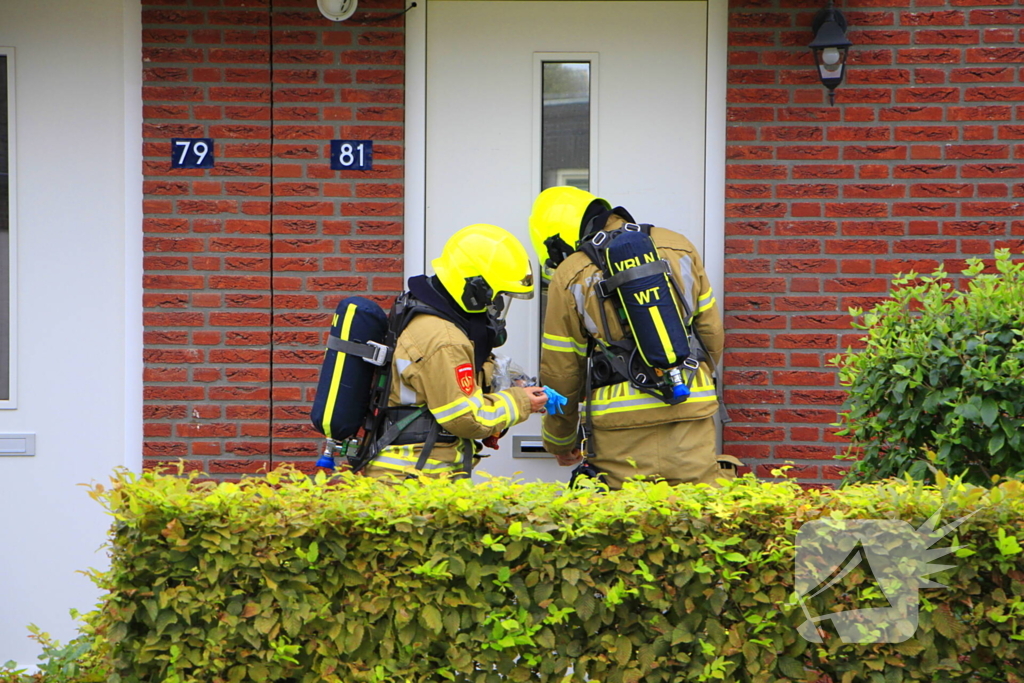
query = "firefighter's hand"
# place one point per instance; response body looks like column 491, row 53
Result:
column 538, row 398
column 573, row 457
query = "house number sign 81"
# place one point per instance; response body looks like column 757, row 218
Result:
column 351, row 155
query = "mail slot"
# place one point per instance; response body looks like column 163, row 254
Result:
column 529, row 447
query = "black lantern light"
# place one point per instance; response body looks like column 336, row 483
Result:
column 830, row 47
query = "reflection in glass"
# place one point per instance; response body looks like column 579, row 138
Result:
column 5, row 232
column 565, row 125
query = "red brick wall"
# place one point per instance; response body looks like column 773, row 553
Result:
column 245, row 261
column 920, row 162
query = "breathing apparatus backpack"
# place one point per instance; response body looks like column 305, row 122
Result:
column 660, row 354
column 355, row 346
column 355, row 381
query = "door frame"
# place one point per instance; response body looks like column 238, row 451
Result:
column 416, row 258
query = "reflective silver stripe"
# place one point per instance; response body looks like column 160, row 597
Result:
column 493, row 415
column 563, row 344
column 512, row 406
column 557, row 344
column 558, row 441
column 702, row 395
column 406, row 394
column 456, row 408
column 686, row 270
column 581, row 308
column 504, row 412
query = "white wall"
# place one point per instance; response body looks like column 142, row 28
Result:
column 78, row 108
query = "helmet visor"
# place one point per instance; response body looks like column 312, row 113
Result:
column 498, row 309
column 525, row 287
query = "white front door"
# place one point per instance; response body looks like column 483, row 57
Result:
column 520, row 95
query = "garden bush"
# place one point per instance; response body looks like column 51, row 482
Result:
column 85, row 659
column 940, row 381
column 350, row 579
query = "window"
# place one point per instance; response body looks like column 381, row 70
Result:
column 567, row 127
column 6, row 226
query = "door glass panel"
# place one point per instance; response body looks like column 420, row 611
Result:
column 5, row 242
column 565, row 125
column 565, row 134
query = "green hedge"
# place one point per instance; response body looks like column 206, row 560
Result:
column 287, row 579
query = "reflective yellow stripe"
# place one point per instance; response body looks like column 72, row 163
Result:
column 621, row 398
column 553, row 342
column 706, row 301
column 504, row 412
column 339, row 366
column 404, row 459
column 666, row 343
column 513, row 406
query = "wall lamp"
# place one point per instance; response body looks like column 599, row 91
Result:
column 830, row 47
column 337, row 10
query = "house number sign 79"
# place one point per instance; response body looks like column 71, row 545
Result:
column 351, row 155
column 191, row 152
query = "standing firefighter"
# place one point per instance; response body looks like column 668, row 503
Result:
column 437, row 399
column 631, row 331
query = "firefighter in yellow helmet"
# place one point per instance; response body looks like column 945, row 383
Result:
column 626, row 432
column 439, row 404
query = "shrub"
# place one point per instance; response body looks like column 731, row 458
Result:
column 84, row 659
column 287, row 579
column 941, row 377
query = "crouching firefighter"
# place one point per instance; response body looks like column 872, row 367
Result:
column 428, row 403
column 632, row 331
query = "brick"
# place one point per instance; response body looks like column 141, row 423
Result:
column 845, row 284
column 940, row 18
column 982, row 74
column 931, row 171
column 856, row 246
column 929, row 55
column 921, row 246
column 1002, row 16
column 995, row 54
column 992, row 170
column 982, row 113
column 947, row 37
column 864, row 152
column 879, row 76
column 862, row 191
column 804, row 284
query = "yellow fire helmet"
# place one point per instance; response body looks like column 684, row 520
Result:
column 555, row 222
column 480, row 263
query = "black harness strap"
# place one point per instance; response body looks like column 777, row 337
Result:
column 607, row 286
column 406, row 308
column 428, row 446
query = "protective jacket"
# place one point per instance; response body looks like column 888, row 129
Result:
column 573, row 319
column 435, row 365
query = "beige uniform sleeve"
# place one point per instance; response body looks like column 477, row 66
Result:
column 562, row 365
column 472, row 416
column 707, row 318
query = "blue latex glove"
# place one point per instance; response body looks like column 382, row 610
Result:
column 555, row 401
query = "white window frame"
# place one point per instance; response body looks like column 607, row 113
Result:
column 11, row 402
